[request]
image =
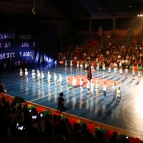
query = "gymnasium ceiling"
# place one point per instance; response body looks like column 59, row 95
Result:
column 73, row 8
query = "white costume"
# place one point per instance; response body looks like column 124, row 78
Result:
column 77, row 65
column 97, row 67
column 109, row 69
column 74, row 82
column 103, row 67
column 38, row 74
column 81, row 65
column 92, row 87
column 71, row 64
column 33, row 74
column 120, row 71
column 60, row 79
column 55, row 78
column 21, row 73
column 26, row 73
column 49, row 77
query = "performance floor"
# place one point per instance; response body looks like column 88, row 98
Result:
column 128, row 114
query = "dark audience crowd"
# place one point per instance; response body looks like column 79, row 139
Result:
column 20, row 125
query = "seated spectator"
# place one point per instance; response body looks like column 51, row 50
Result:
column 61, row 102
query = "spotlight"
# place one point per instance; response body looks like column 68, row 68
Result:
column 33, row 10
column 140, row 14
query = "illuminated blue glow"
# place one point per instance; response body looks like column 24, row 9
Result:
column 47, row 59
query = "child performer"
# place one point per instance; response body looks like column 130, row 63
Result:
column 49, row 77
column 21, row 73
column 92, row 87
column 38, row 76
column 139, row 75
column 114, row 89
column 97, row 88
column 81, row 66
column 126, row 72
column 81, row 84
column 71, row 65
column 120, row 71
column 133, row 73
column 118, row 95
column 33, row 75
column 97, row 67
column 77, row 65
column 109, row 70
column 55, row 79
column 42, row 76
column 85, row 66
column 60, row 79
column 92, row 68
column 26, row 74
column 104, row 89
column 88, row 86
column 74, row 82
column 103, row 68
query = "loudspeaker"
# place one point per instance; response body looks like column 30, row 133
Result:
column 18, row 99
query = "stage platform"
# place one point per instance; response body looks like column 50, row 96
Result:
column 127, row 115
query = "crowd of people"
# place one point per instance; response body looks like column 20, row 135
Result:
column 129, row 53
column 20, row 125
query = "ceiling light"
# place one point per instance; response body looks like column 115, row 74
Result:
column 130, row 6
column 140, row 14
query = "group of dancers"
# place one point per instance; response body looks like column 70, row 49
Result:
column 91, row 86
column 117, row 68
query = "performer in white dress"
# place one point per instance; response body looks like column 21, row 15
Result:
column 120, row 63
column 60, row 79
column 139, row 75
column 42, row 76
column 121, row 71
column 71, row 65
column 92, row 68
column 109, row 70
column 81, row 66
column 77, row 65
column 126, row 72
column 55, row 79
column 133, row 73
column 74, row 82
column 21, row 73
column 104, row 89
column 92, row 87
column 97, row 88
column 103, row 68
column 33, row 75
column 81, row 84
column 38, row 76
column 118, row 95
column 26, row 73
column 97, row 66
column 85, row 66
column 49, row 77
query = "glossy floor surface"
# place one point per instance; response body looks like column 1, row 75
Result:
column 128, row 114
